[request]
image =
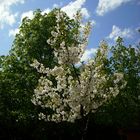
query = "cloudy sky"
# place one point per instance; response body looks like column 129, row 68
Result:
column 110, row 18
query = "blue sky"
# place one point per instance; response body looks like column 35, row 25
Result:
column 110, row 18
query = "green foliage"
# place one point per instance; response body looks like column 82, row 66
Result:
column 124, row 109
column 17, row 78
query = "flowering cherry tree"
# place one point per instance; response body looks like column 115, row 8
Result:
column 72, row 92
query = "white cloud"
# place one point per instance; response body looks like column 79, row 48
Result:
column 124, row 33
column 13, row 32
column 56, row 5
column 104, row 6
column 7, row 16
column 93, row 22
column 85, row 13
column 73, row 7
column 88, row 54
column 28, row 14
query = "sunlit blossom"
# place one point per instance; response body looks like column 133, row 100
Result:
column 72, row 90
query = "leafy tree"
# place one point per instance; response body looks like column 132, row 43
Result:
column 17, row 78
column 124, row 109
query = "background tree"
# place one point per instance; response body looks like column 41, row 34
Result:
column 124, row 109
column 17, row 78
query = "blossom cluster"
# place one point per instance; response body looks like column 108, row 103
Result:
column 72, row 92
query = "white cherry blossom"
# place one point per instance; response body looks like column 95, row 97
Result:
column 74, row 92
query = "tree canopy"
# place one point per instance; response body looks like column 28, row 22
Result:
column 18, row 78
column 124, row 109
column 40, row 78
